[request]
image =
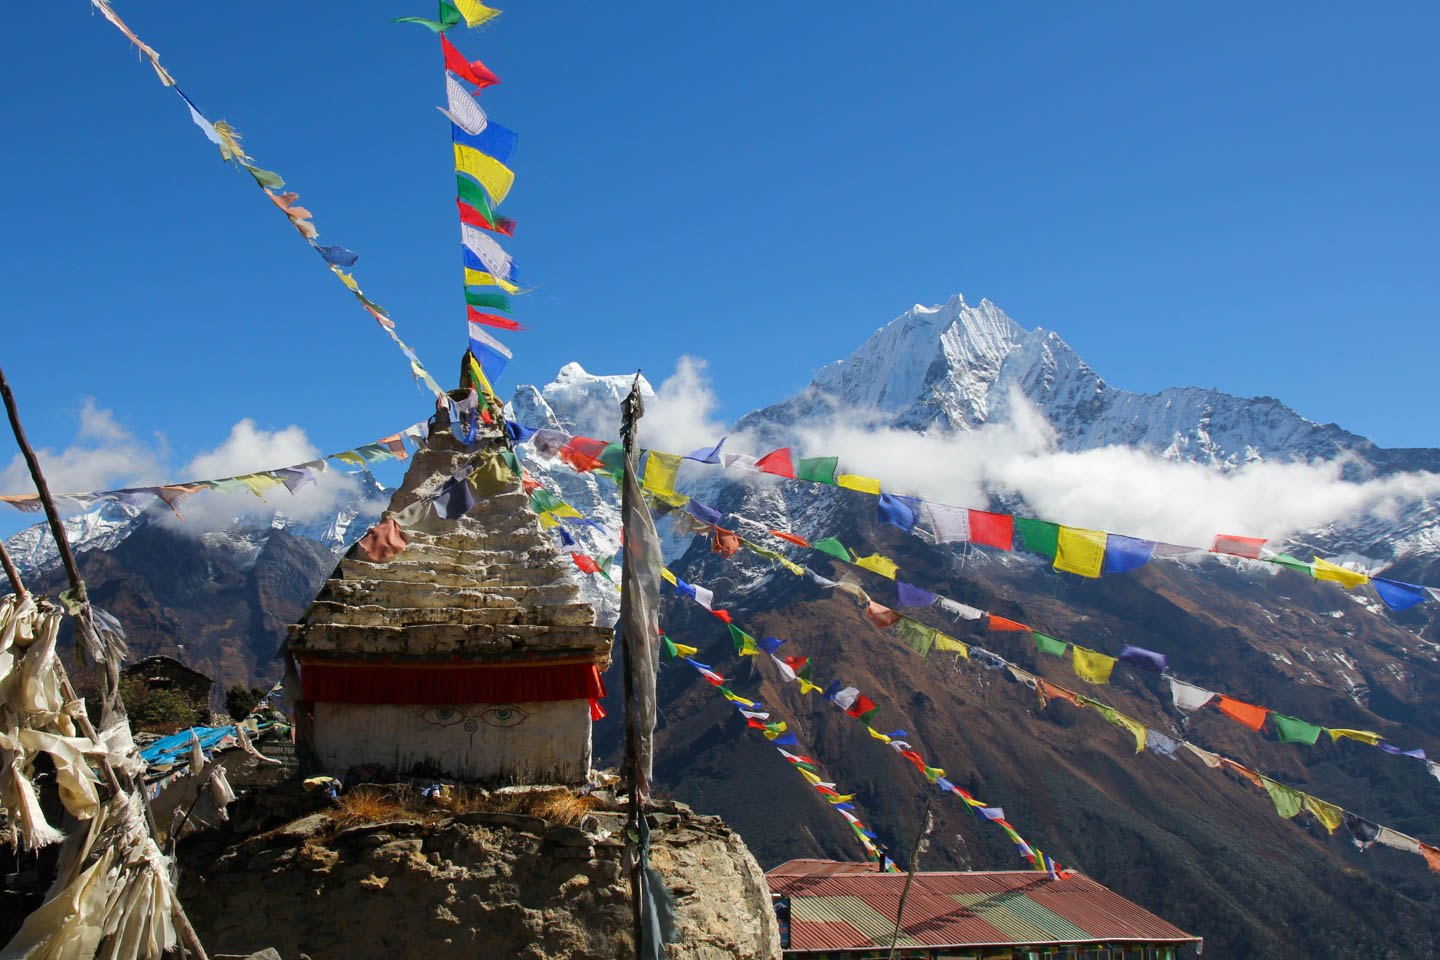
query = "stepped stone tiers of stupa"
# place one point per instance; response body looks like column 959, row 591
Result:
column 468, row 654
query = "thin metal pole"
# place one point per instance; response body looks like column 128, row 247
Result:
column 188, row 937
column 925, row 824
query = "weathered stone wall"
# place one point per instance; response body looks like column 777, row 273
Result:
column 504, row 742
column 477, row 885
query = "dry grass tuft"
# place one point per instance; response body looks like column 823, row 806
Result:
column 376, row 804
column 368, row 804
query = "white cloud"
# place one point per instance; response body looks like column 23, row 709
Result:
column 104, row 455
column 681, row 417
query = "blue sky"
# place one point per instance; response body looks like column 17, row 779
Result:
column 1221, row 196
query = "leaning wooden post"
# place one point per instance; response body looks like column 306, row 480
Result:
column 189, row 939
column 925, row 825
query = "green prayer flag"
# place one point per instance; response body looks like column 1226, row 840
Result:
column 613, row 458
column 869, row 715
column 473, row 194
column 490, row 301
column 668, row 648
column 916, row 636
column 448, row 15
column 1294, row 731
column 371, row 304
column 1056, row 648
column 760, row 551
column 1287, row 802
column 543, row 500
column 817, row 469
column 744, row 643
column 511, row 461
column 1293, row 563
column 266, row 178
column 1038, row 536
column 833, row 547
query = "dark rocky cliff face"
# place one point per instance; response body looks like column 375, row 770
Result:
column 219, row 604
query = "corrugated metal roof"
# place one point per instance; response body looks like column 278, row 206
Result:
column 838, row 910
column 820, row 868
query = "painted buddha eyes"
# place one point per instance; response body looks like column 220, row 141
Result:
column 441, row 716
column 496, row 716
column 503, row 716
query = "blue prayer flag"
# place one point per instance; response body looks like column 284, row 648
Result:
column 844, row 806
column 1126, row 553
column 1397, row 595
column 683, row 589
column 769, row 644
column 454, row 500
column 702, row 513
column 1142, row 659
column 473, row 262
column 898, row 511
column 493, row 141
column 492, row 362
column 833, row 689
column 944, row 784
column 706, row 456
column 566, row 540
column 518, row 433
column 788, row 740
column 337, row 255
column 913, row 596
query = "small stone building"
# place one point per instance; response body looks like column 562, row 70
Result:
column 167, row 673
column 467, row 655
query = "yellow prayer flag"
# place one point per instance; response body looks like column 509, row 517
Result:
column 809, row 777
column 1080, row 551
column 942, row 642
column 881, row 565
column 790, row 565
column 1326, row 813
column 563, row 509
column 683, row 650
column 1325, row 570
column 1092, row 666
column 494, row 176
column 547, row 521
column 668, row 576
column 1134, row 726
column 1364, row 736
column 674, row 499
column 350, row 457
column 475, row 12
column 806, row 686
column 346, row 278
column 479, row 278
column 877, row 734
column 260, row 482
column 660, row 470
column 864, row 484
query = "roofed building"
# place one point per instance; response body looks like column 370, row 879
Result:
column 847, row 910
column 468, row 654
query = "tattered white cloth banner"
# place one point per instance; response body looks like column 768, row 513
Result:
column 461, row 107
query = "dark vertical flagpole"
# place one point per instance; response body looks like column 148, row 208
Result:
column 630, row 411
column 925, row 826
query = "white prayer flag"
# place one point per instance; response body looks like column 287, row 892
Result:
column 951, row 524
column 1189, row 697
column 491, row 254
column 463, row 111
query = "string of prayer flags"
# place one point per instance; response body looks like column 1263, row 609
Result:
column 225, row 137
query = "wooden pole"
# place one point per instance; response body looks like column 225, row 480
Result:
column 632, row 734
column 925, row 825
column 188, row 938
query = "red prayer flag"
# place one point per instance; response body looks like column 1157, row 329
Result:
column 491, row 320
column 1238, row 546
column 723, row 615
column 862, row 705
column 914, row 758
column 1248, row 714
column 477, row 73
column 992, row 529
column 597, row 712
column 879, row 615
column 724, row 542
column 383, row 541
column 475, row 218
column 777, row 462
column 755, row 722
column 586, row 564
column 582, row 453
column 1000, row 623
column 798, row 541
